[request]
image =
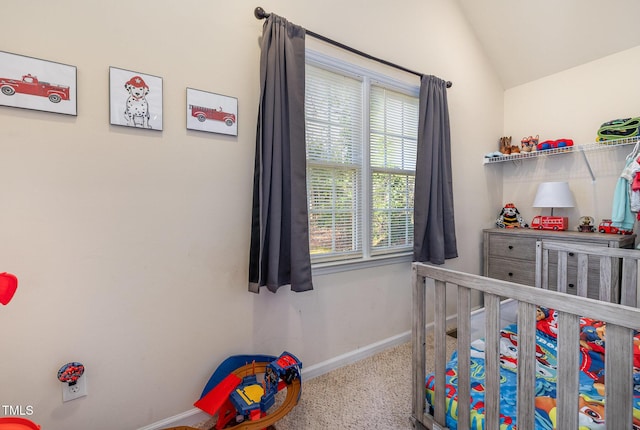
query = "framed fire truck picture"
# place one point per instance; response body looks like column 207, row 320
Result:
column 32, row 83
column 212, row 112
column 135, row 99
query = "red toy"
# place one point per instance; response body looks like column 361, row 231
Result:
column 550, row 222
column 606, row 226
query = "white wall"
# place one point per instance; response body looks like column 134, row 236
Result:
column 131, row 246
column 572, row 104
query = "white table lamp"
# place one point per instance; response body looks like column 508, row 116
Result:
column 554, row 195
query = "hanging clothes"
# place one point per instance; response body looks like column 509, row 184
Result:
column 622, row 215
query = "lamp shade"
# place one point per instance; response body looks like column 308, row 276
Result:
column 554, row 195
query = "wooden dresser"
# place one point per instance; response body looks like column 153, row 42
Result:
column 510, row 254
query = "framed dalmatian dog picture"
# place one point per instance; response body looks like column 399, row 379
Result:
column 135, row 99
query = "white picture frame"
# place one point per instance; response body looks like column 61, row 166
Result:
column 211, row 112
column 135, row 99
column 32, row 83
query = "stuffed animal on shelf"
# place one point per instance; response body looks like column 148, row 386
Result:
column 505, row 145
column 510, row 217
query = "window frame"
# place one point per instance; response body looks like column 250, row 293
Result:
column 369, row 77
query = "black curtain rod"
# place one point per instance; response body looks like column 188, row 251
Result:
column 261, row 14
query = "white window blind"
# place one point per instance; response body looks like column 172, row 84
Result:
column 361, row 155
column 393, row 146
column 333, row 111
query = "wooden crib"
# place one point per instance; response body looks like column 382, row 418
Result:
column 622, row 319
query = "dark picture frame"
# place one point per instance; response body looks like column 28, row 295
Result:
column 211, row 112
column 135, row 99
column 37, row 84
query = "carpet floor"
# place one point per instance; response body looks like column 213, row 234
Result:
column 373, row 393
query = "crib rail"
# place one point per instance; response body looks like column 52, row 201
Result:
column 618, row 274
column 436, row 281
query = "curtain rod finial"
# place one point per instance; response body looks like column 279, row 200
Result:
column 449, row 84
column 260, row 13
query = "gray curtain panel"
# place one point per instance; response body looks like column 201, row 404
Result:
column 279, row 253
column 434, row 237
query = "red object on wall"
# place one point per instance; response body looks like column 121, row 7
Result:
column 8, row 287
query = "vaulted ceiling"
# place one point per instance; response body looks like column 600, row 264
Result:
column 528, row 39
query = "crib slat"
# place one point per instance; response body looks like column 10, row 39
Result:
column 618, row 379
column 539, row 268
column 629, row 293
column 562, row 271
column 568, row 371
column 583, row 274
column 492, row 358
column 464, row 356
column 605, row 280
column 526, row 364
column 440, row 350
column 542, row 266
column 418, row 343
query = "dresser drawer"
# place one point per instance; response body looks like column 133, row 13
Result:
column 521, row 248
column 520, row 272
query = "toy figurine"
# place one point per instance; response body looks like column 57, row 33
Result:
column 586, row 224
column 510, row 217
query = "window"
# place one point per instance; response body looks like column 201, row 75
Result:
column 361, row 139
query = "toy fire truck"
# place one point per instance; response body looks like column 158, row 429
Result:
column 550, row 222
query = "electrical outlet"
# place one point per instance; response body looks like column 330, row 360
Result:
column 72, row 392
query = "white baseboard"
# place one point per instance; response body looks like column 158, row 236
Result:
column 196, row 416
column 189, row 418
column 353, row 356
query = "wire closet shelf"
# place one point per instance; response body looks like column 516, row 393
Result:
column 587, row 147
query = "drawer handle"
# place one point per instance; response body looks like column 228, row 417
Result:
column 510, row 273
column 510, row 246
column 571, row 286
column 571, row 254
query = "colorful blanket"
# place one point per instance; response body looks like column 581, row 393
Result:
column 591, row 401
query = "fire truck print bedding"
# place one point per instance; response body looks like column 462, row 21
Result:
column 591, row 378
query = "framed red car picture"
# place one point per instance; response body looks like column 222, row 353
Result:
column 212, row 112
column 31, row 83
